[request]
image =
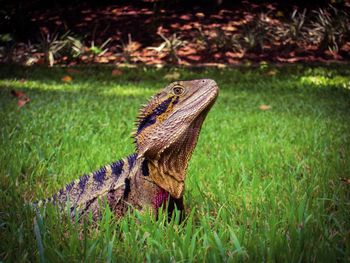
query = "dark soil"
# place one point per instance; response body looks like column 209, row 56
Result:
column 134, row 30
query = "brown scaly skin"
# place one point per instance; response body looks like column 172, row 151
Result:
column 166, row 135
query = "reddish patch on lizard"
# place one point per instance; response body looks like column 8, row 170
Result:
column 160, row 199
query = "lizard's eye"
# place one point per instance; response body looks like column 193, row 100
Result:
column 178, row 90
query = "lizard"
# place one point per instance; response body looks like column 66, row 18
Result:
column 167, row 130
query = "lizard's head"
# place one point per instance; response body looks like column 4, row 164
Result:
column 168, row 129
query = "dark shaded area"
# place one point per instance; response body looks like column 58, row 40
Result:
column 23, row 18
column 177, row 32
column 127, row 188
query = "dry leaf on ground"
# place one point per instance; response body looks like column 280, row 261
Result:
column 18, row 94
column 22, row 97
column 22, row 101
column 264, row 107
column 67, row 79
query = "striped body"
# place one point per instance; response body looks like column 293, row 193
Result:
column 122, row 184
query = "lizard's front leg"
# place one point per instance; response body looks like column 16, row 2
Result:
column 176, row 203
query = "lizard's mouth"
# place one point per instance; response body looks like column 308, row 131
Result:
column 198, row 120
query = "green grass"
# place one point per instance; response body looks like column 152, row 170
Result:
column 261, row 186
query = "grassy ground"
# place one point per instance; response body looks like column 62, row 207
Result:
column 262, row 185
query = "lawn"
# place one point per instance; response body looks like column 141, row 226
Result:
column 263, row 185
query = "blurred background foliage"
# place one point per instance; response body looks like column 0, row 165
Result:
column 173, row 32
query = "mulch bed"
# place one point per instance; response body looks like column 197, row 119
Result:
column 134, row 32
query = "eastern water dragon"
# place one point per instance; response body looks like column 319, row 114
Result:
column 166, row 134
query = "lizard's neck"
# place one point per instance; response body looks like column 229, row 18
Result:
column 171, row 180
column 169, row 170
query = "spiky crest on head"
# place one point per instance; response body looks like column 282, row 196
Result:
column 156, row 111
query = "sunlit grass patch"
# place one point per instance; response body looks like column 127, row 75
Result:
column 127, row 90
column 264, row 184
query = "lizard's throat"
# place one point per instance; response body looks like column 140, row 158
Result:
column 169, row 171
